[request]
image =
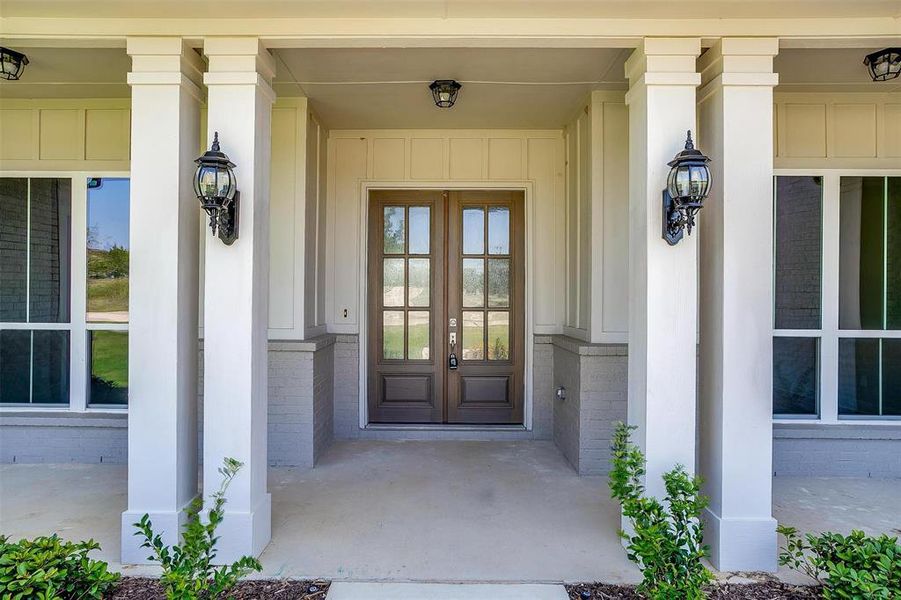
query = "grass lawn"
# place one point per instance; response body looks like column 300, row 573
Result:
column 109, row 367
column 108, row 295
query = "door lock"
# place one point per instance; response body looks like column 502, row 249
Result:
column 452, row 357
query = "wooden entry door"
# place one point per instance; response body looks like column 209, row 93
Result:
column 446, row 278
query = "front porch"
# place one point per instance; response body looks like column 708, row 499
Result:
column 375, row 510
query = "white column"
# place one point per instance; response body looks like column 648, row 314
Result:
column 162, row 347
column 736, row 307
column 662, row 278
column 236, row 295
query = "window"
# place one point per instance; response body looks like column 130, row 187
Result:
column 63, row 338
column 35, row 286
column 837, row 321
column 107, row 259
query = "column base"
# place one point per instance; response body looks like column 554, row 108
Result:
column 244, row 533
column 167, row 523
column 741, row 544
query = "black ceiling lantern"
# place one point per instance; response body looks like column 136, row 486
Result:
column 12, row 64
column 884, row 65
column 216, row 188
column 444, row 92
column 686, row 188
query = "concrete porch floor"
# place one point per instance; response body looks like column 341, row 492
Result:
column 425, row 511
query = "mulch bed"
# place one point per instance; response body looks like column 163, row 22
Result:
column 144, row 588
column 764, row 590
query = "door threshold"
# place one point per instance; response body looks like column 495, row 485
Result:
column 441, row 427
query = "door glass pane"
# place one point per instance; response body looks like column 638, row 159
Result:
column 50, row 367
column 107, row 251
column 498, row 230
column 473, row 335
column 795, row 376
column 891, row 377
column 15, row 366
column 109, row 367
column 473, row 231
column 419, row 229
column 498, row 335
column 798, row 252
column 858, row 376
column 418, row 290
column 50, row 243
column 861, row 252
column 394, row 230
column 393, row 334
column 498, row 282
column 418, row 335
column 893, row 255
column 473, row 282
column 13, row 250
column 393, row 282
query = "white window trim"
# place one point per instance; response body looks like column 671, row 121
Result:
column 77, row 326
column 829, row 332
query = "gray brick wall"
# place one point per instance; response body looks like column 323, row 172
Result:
column 595, row 378
column 543, row 388
column 347, row 387
column 840, row 450
column 61, row 437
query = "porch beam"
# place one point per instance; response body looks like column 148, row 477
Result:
column 662, row 278
column 236, row 295
column 162, row 420
column 735, row 107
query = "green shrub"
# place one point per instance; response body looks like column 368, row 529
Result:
column 48, row 568
column 188, row 573
column 666, row 538
column 854, row 567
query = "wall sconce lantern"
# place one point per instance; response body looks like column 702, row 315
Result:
column 444, row 92
column 215, row 187
column 12, row 64
column 885, row 64
column 686, row 188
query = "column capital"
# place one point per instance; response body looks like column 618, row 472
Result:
column 239, row 61
column 164, row 61
column 738, row 61
column 663, row 62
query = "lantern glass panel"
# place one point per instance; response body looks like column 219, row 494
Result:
column 699, row 181
column 207, row 180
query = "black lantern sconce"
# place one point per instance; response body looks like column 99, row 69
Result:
column 884, row 65
column 215, row 186
column 12, row 64
column 686, row 188
column 444, row 92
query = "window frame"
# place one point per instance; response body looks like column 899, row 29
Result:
column 829, row 332
column 78, row 326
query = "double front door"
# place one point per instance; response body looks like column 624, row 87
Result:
column 446, row 307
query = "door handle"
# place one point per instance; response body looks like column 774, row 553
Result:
column 452, row 362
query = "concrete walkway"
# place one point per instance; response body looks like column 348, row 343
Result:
column 448, row 512
column 444, row 591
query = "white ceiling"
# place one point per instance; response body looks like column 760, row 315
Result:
column 446, row 9
column 363, row 88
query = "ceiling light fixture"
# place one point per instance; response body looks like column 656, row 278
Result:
column 885, row 64
column 12, row 64
column 444, row 92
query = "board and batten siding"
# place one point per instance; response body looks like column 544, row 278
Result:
column 837, row 131
column 446, row 159
column 597, row 216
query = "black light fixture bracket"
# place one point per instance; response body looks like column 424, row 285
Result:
column 225, row 226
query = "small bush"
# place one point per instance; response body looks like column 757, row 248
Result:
column 188, row 573
column 854, row 567
column 666, row 541
column 48, row 568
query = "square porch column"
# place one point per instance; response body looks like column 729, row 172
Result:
column 236, row 296
column 662, row 278
column 162, row 346
column 736, row 308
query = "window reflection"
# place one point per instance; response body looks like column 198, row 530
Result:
column 108, row 251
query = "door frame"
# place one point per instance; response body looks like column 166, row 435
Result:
column 524, row 186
